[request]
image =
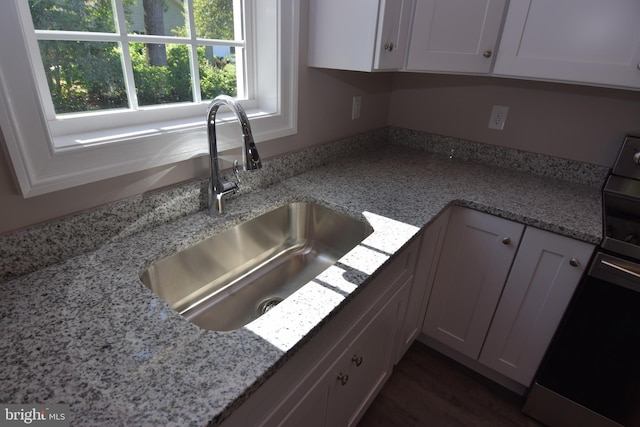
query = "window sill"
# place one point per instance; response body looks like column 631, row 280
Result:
column 162, row 130
column 104, row 155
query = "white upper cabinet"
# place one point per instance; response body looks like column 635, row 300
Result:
column 457, row 36
column 594, row 42
column 359, row 35
column 392, row 41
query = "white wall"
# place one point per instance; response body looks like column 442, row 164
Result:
column 574, row 122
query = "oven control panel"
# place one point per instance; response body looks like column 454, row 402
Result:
column 628, row 162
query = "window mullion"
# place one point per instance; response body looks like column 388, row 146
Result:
column 129, row 80
column 37, row 66
column 240, row 29
column 193, row 58
column 75, row 36
column 195, row 73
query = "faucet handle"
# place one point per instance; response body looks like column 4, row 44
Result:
column 254, row 158
column 228, row 188
column 251, row 157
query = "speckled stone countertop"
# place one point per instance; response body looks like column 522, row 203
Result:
column 88, row 333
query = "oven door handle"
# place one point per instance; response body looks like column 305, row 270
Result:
column 620, row 268
column 616, row 271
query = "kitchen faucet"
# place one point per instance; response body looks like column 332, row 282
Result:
column 219, row 189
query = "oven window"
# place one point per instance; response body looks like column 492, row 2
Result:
column 595, row 357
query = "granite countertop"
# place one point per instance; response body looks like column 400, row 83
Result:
column 87, row 332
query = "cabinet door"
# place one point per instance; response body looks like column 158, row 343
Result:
column 592, row 42
column 545, row 273
column 362, row 370
column 455, row 35
column 425, row 269
column 473, row 268
column 342, row 34
column 392, row 40
column 310, row 411
column 359, row 35
column 342, row 392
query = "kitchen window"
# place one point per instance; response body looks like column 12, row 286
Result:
column 116, row 86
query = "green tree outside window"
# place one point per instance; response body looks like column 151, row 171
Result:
column 85, row 76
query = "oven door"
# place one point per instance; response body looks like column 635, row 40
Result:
column 591, row 373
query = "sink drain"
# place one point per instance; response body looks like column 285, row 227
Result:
column 268, row 304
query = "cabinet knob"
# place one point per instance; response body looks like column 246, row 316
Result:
column 487, row 53
column 357, row 360
column 343, row 378
column 574, row 262
column 506, row 240
column 388, row 46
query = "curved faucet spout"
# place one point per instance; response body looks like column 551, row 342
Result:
column 219, row 189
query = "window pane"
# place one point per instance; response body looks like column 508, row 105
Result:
column 161, row 82
column 213, row 19
column 73, row 15
column 155, row 17
column 217, row 68
column 83, row 76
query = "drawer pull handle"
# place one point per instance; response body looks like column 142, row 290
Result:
column 388, row 46
column 487, row 53
column 357, row 360
column 574, row 262
column 343, row 378
column 506, row 240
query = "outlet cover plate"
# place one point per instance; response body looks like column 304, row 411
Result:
column 498, row 117
column 355, row 107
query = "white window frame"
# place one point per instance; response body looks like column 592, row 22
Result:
column 44, row 162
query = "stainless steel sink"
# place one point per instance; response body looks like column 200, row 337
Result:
column 230, row 279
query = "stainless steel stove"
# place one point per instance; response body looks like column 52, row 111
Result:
column 621, row 202
column 591, row 372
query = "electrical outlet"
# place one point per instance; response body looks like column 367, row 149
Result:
column 355, row 108
column 498, row 117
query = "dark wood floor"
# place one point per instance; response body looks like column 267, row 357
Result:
column 429, row 389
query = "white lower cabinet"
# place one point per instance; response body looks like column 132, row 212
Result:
column 544, row 276
column 498, row 302
column 340, row 394
column 309, row 411
column 474, row 264
column 430, row 246
column 334, row 377
column 362, row 369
